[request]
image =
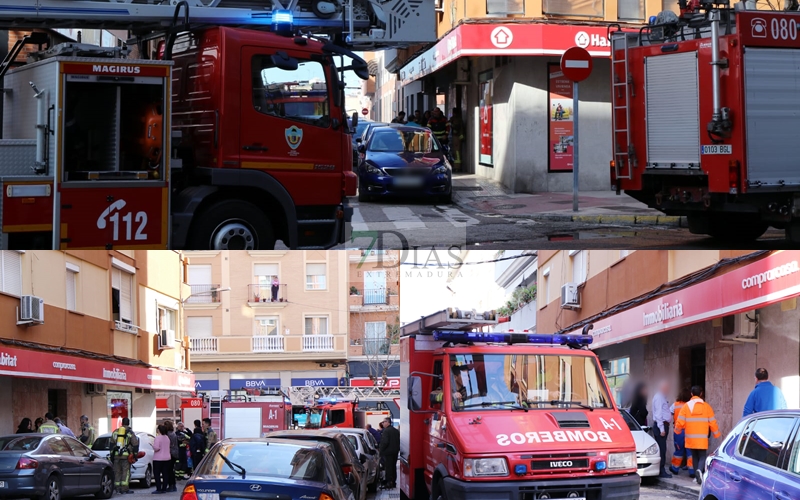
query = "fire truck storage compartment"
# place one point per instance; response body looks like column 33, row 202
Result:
column 673, row 119
column 772, row 110
column 17, row 156
column 113, row 127
column 242, row 423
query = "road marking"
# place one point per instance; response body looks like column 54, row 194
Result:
column 358, row 220
column 457, row 217
column 403, row 218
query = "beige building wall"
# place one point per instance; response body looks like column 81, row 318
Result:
column 364, row 306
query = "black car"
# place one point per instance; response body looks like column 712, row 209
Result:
column 51, row 466
column 402, row 160
column 269, row 468
column 347, row 457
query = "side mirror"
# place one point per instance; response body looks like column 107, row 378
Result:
column 354, row 122
column 281, row 60
column 358, row 140
column 363, row 458
column 362, row 148
column 351, row 479
column 91, row 458
column 414, row 385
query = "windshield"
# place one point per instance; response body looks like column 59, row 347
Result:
column 286, row 461
column 632, row 424
column 497, row 381
column 398, row 141
column 362, row 124
column 11, row 443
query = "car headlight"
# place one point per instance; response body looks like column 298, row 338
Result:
column 372, row 169
column 652, row 450
column 481, row 467
column 441, row 169
column 622, row 460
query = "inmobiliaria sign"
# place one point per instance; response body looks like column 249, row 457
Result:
column 37, row 364
column 761, row 283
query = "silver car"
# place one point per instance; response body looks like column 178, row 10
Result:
column 363, row 441
column 142, row 469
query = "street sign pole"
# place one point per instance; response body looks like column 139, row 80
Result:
column 576, row 64
column 575, row 155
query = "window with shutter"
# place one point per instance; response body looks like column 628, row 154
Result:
column 316, row 325
column 122, row 295
column 200, row 327
column 266, row 325
column 11, row 272
column 72, row 290
column 316, row 277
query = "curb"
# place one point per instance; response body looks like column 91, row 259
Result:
column 679, row 488
column 628, row 220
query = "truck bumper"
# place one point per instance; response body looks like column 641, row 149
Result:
column 593, row 488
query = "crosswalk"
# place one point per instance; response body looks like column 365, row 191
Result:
column 410, row 224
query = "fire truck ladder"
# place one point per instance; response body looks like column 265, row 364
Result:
column 215, row 412
column 307, row 395
column 624, row 157
column 361, row 23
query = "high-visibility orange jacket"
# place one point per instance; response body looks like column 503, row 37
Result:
column 697, row 418
column 677, row 410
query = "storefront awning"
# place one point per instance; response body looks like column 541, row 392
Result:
column 490, row 39
column 766, row 281
column 40, row 364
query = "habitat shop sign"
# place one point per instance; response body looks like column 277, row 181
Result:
column 589, row 436
column 768, row 280
column 491, row 39
column 49, row 365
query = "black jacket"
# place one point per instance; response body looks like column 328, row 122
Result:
column 639, row 410
column 197, row 445
column 390, row 441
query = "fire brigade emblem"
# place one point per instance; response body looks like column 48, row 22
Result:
column 294, row 136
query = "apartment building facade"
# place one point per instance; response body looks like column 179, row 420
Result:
column 261, row 320
column 707, row 318
column 498, row 63
column 374, row 303
column 93, row 333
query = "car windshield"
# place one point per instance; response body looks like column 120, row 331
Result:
column 102, row 444
column 281, row 460
column 399, row 141
column 525, row 381
column 17, row 443
column 361, row 126
column 632, row 424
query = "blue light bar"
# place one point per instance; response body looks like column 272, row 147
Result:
column 282, row 21
column 460, row 337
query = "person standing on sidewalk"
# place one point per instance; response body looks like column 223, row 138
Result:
column 765, row 396
column 211, row 436
column 161, row 459
column 389, row 448
column 124, row 448
column 48, row 425
column 183, row 435
column 173, row 455
column 697, row 419
column 681, row 454
column 639, row 404
column 87, row 432
column 197, row 445
column 661, row 419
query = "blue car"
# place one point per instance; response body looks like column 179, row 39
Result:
column 402, row 160
column 268, row 468
column 758, row 460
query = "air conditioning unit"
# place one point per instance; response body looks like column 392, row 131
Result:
column 166, row 339
column 95, row 389
column 30, row 311
column 570, row 296
column 745, row 328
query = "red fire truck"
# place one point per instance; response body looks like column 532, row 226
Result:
column 101, row 149
column 333, row 413
column 704, row 116
column 508, row 415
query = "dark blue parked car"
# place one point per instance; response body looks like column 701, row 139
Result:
column 759, row 459
column 268, row 468
column 402, row 160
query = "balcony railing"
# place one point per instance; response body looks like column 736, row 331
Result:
column 266, row 293
column 203, row 294
column 271, row 343
column 205, row 345
column 374, row 296
column 317, row 343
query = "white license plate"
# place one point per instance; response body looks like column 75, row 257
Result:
column 717, row 149
column 2, row 484
column 407, row 181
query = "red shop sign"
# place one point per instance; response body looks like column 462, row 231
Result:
column 391, row 383
column 766, row 281
column 37, row 364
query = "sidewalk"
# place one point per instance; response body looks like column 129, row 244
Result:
column 483, row 195
column 682, row 482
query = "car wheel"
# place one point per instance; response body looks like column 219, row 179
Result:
column 373, row 486
column 446, row 199
column 53, row 490
column 148, row 477
column 232, row 225
column 362, row 196
column 106, row 485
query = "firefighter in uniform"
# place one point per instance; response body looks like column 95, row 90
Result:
column 49, row 426
column 211, row 436
column 439, row 126
column 456, row 126
column 697, row 420
column 182, row 466
column 124, row 447
column 87, row 431
column 679, row 439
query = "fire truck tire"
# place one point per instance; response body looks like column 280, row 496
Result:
column 232, row 225
column 735, row 228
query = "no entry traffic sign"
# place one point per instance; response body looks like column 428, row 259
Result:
column 365, row 111
column 576, row 64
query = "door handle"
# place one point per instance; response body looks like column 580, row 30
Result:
column 782, row 495
column 255, row 147
column 734, row 476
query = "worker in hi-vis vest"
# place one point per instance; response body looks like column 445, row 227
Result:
column 124, row 448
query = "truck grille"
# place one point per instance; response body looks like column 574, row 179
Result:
column 589, row 493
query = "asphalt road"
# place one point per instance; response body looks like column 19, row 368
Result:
column 407, row 224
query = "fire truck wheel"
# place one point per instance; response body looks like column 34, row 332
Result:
column 232, row 225
column 736, row 228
